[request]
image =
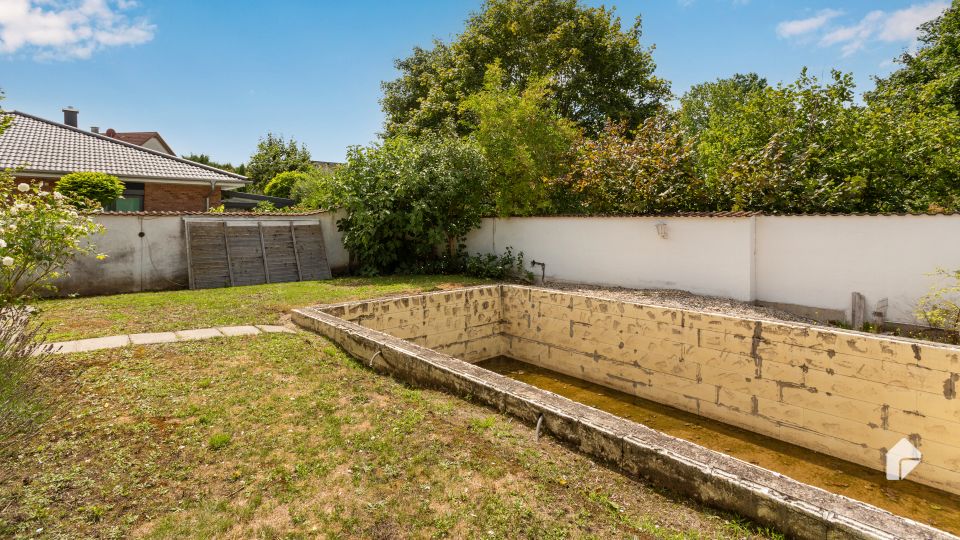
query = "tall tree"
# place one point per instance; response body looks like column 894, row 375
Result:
column 275, row 155
column 719, row 97
column 204, row 159
column 526, row 143
column 596, row 68
column 931, row 76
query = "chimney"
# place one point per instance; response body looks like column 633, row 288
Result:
column 70, row 116
column 94, row 129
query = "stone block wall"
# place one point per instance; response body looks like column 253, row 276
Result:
column 463, row 323
column 846, row 394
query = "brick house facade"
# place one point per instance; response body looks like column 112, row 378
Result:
column 179, row 197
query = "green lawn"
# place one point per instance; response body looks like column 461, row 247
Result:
column 285, row 436
column 77, row 318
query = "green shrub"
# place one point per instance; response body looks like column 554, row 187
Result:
column 282, row 184
column 490, row 266
column 940, row 308
column 316, row 190
column 500, row 267
column 90, row 190
column 409, row 202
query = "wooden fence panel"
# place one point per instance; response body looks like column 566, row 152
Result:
column 313, row 254
column 246, row 256
column 254, row 252
column 208, row 256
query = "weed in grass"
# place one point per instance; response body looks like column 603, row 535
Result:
column 219, row 441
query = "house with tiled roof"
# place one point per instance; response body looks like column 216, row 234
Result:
column 38, row 149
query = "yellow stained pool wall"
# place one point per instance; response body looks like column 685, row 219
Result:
column 847, row 394
column 464, row 323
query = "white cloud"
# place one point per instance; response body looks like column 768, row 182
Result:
column 799, row 27
column 889, row 27
column 902, row 25
column 69, row 28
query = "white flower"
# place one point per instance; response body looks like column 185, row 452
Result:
column 3, row 243
column 57, row 195
column 12, row 227
column 7, row 261
column 23, row 187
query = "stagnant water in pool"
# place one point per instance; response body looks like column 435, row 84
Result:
column 909, row 499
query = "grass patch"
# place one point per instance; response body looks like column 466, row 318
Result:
column 219, row 440
column 283, row 435
column 78, row 318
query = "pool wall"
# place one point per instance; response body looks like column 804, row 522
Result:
column 713, row 478
column 846, row 394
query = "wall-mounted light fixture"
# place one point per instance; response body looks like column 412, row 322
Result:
column 662, row 229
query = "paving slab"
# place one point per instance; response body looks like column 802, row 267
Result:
column 154, row 337
column 147, row 338
column 83, row 345
column 199, row 333
column 273, row 328
column 239, row 330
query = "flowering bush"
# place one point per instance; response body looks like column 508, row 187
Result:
column 40, row 232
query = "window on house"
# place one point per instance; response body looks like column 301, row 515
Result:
column 132, row 200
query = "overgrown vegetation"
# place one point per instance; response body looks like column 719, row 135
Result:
column 23, row 405
column 409, row 201
column 940, row 308
column 90, row 190
column 40, row 232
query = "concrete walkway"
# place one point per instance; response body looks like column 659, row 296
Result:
column 115, row 342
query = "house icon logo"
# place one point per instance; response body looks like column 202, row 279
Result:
column 902, row 459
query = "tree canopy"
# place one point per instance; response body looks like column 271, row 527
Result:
column 595, row 68
column 931, row 75
column 275, row 155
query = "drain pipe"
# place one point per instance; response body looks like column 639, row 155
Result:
column 543, row 270
column 378, row 353
column 539, row 426
column 213, row 189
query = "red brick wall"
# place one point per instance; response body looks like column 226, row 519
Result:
column 173, row 197
column 161, row 197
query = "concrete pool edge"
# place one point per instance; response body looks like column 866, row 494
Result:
column 710, row 477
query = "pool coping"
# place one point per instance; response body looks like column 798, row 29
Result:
column 710, row 477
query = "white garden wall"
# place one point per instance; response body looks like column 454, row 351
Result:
column 702, row 255
column 819, row 260
column 802, row 261
column 157, row 258
column 797, row 261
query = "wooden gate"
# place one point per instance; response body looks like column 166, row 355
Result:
column 224, row 253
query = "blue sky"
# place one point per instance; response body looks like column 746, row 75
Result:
column 213, row 76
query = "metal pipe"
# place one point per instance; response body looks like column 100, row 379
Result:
column 543, row 270
column 539, row 425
